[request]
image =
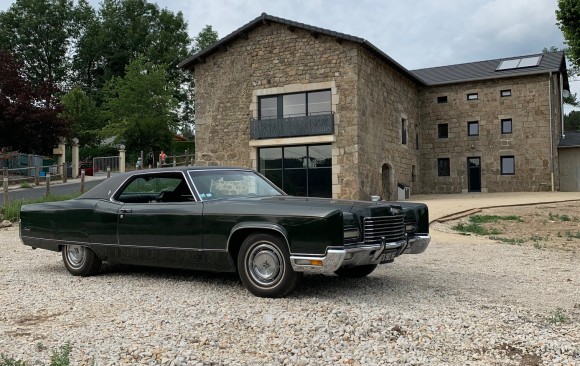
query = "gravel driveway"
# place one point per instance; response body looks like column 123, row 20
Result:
column 463, row 301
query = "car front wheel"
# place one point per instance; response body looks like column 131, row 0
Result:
column 264, row 266
column 80, row 261
column 356, row 271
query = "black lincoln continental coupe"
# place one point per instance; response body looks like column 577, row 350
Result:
column 223, row 219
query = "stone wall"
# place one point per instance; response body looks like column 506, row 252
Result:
column 385, row 97
column 275, row 58
column 529, row 142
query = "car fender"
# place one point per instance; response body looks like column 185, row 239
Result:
column 259, row 225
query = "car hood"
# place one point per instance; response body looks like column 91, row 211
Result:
column 360, row 208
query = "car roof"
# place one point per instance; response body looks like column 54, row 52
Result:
column 105, row 189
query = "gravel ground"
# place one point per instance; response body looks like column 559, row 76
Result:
column 465, row 301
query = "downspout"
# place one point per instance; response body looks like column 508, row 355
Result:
column 562, row 103
column 551, row 136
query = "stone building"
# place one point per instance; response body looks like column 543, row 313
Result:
column 321, row 113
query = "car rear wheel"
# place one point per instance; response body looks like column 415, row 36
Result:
column 80, row 261
column 264, row 266
column 356, row 271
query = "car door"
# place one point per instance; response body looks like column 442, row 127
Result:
column 156, row 230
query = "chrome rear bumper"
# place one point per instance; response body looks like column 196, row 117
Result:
column 359, row 255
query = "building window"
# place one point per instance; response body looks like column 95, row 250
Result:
column 473, row 128
column 472, row 96
column 404, row 128
column 506, row 126
column 417, row 140
column 442, row 99
column 413, row 175
column 443, row 130
column 443, row 167
column 299, row 170
column 508, row 166
column 505, row 93
column 295, row 105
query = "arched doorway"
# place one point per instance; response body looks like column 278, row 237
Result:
column 386, row 178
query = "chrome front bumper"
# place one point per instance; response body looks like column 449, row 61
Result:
column 359, row 255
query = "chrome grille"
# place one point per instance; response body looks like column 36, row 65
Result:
column 390, row 227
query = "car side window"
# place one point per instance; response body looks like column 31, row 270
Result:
column 156, row 189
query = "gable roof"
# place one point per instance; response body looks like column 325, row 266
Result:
column 572, row 139
column 242, row 32
column 483, row 70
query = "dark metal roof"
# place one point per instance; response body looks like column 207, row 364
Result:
column 483, row 70
column 572, row 139
column 265, row 18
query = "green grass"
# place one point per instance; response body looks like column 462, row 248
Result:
column 12, row 210
column 556, row 217
column 475, row 228
column 59, row 357
column 475, row 221
column 558, row 316
column 482, row 219
column 570, row 234
column 510, row 241
column 25, row 185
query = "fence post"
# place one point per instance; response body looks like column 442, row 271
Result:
column 37, row 175
column 174, row 161
column 108, row 172
column 5, row 191
column 82, row 181
column 5, row 172
column 192, row 160
column 47, row 185
column 64, row 172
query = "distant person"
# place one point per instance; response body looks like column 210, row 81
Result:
column 138, row 164
column 150, row 159
column 162, row 157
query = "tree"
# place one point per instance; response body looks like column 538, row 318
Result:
column 140, row 107
column 573, row 71
column 568, row 16
column 572, row 121
column 83, row 116
column 120, row 32
column 206, row 37
column 28, row 119
column 40, row 33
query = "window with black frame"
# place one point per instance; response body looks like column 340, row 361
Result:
column 443, row 167
column 304, row 170
column 295, row 105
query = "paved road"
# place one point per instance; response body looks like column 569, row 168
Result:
column 55, row 188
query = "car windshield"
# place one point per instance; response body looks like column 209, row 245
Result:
column 218, row 184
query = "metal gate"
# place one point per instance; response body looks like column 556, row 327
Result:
column 101, row 163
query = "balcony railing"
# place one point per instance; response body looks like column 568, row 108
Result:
column 313, row 125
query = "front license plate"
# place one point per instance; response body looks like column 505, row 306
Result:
column 386, row 257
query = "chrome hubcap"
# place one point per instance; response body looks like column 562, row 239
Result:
column 265, row 264
column 75, row 255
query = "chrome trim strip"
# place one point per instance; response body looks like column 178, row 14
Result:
column 258, row 225
column 84, row 243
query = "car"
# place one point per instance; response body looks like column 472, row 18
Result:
column 87, row 166
column 226, row 220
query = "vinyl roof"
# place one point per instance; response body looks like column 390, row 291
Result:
column 473, row 71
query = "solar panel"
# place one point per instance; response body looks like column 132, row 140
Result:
column 530, row 61
column 508, row 64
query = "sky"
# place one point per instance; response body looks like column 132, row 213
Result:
column 416, row 33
